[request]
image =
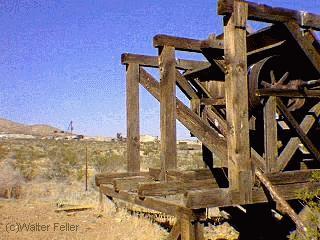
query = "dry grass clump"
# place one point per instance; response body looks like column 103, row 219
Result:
column 10, row 181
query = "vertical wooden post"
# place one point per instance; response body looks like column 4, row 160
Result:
column 270, row 134
column 190, row 230
column 133, row 125
column 86, row 168
column 168, row 149
column 239, row 161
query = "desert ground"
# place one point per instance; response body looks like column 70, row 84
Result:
column 41, row 178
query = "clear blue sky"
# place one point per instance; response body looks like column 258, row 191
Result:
column 60, row 59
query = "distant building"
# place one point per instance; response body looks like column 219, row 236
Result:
column 148, row 138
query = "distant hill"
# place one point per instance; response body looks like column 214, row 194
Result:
column 7, row 126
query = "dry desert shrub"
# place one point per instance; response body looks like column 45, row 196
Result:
column 10, row 181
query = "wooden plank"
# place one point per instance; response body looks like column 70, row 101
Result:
column 152, row 61
column 183, row 44
column 239, row 161
column 195, row 124
column 293, row 144
column 173, row 187
column 157, row 204
column 222, row 197
column 296, row 127
column 190, row 175
column 168, row 139
column 129, row 183
column 107, row 178
column 185, row 87
column 298, row 176
column 307, row 42
column 270, row 134
column 133, row 120
column 213, row 101
column 265, row 13
column 288, row 93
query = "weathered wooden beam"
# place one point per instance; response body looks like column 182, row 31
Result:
column 152, row 61
column 157, row 204
column 183, row 44
column 221, row 197
column 305, row 93
column 213, row 101
column 185, row 87
column 296, row 127
column 289, row 177
column 281, row 202
column 217, row 121
column 293, row 144
column 173, row 187
column 168, row 139
column 190, row 230
column 270, row 134
column 107, row 178
column 129, row 183
column 239, row 161
column 265, row 13
column 133, row 120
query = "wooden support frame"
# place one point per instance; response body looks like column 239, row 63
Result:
column 265, row 13
column 188, row 118
column 296, row 127
column 239, row 161
column 168, row 141
column 294, row 142
column 133, row 121
column 194, row 124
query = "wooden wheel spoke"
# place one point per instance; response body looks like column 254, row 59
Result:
column 272, row 77
column 266, row 84
column 283, row 78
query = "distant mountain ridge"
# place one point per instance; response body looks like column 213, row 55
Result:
column 10, row 127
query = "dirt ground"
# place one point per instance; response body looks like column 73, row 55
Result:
column 45, row 223
column 34, row 217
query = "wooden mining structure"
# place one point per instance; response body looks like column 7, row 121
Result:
column 254, row 105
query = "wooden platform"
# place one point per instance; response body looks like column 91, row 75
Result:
column 195, row 189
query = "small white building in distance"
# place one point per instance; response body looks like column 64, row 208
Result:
column 147, row 138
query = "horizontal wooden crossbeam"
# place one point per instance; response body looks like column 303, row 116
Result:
column 166, row 206
column 107, row 178
column 184, row 44
column 265, row 13
column 213, row 101
column 152, row 61
column 173, row 187
column 288, row 93
column 221, row 197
